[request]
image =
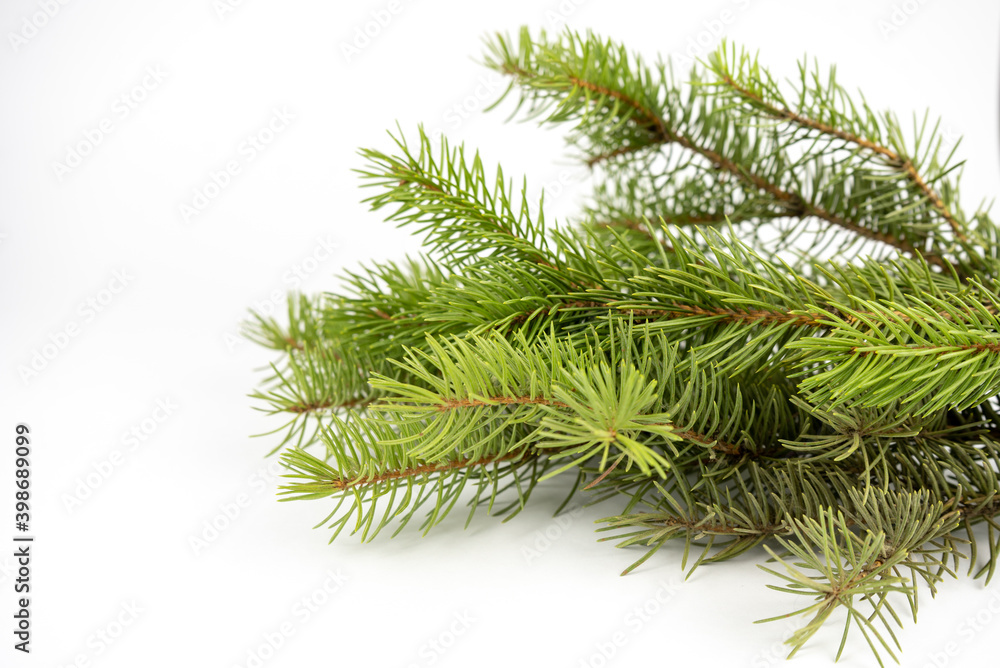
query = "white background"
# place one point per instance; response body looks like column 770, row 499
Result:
column 167, row 334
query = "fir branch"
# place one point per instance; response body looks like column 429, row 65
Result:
column 730, row 344
column 743, row 76
column 596, row 84
column 924, row 358
column 336, row 482
column 866, row 565
column 403, row 485
column 453, row 202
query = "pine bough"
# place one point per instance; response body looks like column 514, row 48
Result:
column 773, row 326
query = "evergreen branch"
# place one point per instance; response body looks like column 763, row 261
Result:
column 730, row 344
column 926, row 361
column 848, row 565
column 743, row 76
column 385, row 311
column 336, row 482
column 453, row 202
column 403, row 485
column 596, row 84
column 303, row 325
column 579, row 405
column 316, row 380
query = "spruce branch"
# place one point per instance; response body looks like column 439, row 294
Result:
column 773, row 327
column 742, row 75
column 403, row 484
column 449, row 198
column 595, row 84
